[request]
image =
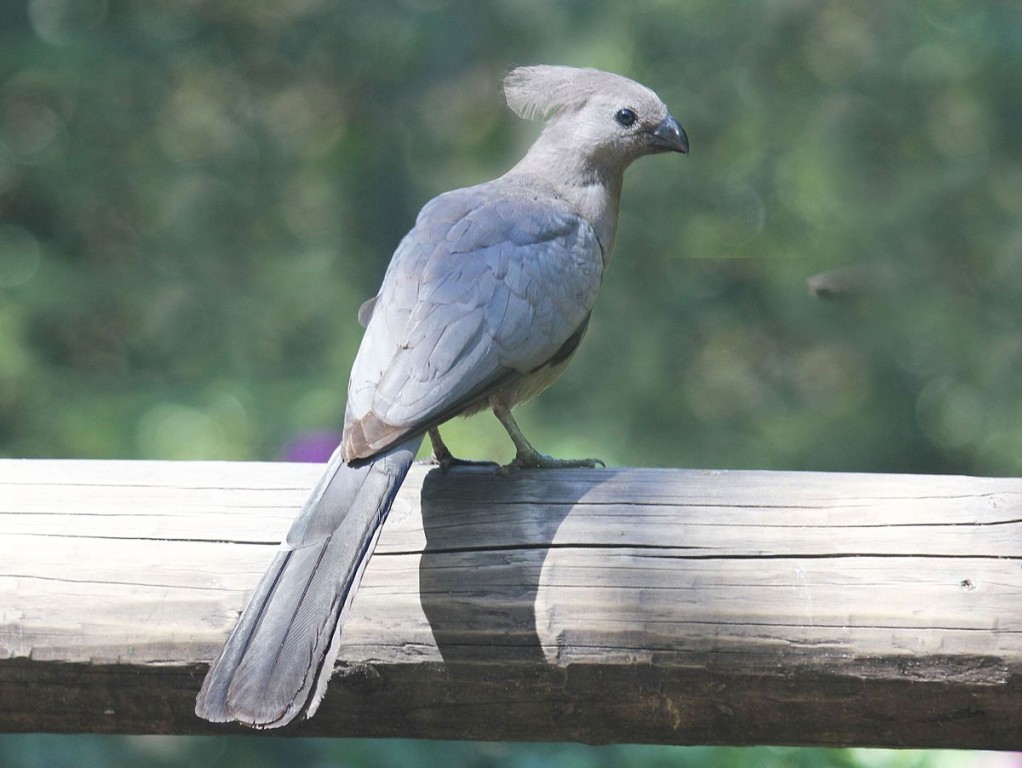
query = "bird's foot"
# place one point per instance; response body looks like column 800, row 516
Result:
column 444, row 459
column 536, row 460
column 447, row 461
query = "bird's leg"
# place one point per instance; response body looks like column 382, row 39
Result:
column 443, row 457
column 526, row 456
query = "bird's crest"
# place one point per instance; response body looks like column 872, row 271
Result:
column 541, row 90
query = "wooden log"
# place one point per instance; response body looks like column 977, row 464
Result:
column 617, row 605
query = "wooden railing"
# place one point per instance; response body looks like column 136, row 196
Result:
column 609, row 605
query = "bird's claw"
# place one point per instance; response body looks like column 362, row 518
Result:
column 447, row 461
column 536, row 460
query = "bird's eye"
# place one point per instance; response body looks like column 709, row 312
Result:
column 626, row 117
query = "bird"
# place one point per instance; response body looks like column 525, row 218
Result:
column 484, row 303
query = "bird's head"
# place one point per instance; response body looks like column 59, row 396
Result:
column 613, row 119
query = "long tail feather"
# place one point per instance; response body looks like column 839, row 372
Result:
column 280, row 655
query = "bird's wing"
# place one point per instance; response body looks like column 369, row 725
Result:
column 488, row 285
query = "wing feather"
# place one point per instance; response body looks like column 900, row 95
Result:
column 489, row 284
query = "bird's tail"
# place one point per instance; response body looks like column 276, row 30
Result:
column 280, row 655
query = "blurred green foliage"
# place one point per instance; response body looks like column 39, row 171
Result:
column 196, row 195
column 262, row 752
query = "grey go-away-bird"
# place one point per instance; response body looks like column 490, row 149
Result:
column 482, row 306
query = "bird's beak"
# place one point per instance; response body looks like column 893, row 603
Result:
column 669, row 136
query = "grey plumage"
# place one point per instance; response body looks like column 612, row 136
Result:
column 280, row 655
column 485, row 289
column 483, row 305
column 537, row 91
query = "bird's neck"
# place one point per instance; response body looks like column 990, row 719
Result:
column 594, row 191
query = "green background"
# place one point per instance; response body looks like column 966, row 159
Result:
column 196, row 195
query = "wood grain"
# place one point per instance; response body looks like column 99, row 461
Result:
column 618, row 605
